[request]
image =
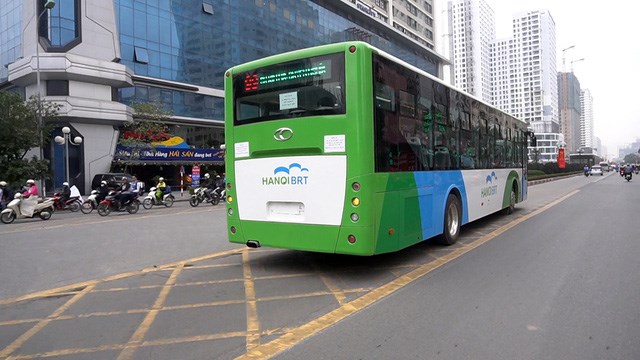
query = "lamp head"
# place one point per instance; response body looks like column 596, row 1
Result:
column 66, row 130
column 49, row 4
column 77, row 140
column 59, row 140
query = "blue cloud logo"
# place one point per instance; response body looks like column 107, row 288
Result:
column 491, row 177
column 287, row 170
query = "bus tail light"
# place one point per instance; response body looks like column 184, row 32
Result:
column 352, row 49
column 229, row 199
column 229, row 186
column 233, row 230
column 355, row 217
column 230, row 211
column 351, row 239
column 355, row 201
column 355, row 186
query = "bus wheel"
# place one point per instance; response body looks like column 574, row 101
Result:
column 452, row 221
column 512, row 202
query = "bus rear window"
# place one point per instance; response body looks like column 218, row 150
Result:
column 306, row 87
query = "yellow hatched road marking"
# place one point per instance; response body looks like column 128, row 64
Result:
column 253, row 323
column 41, row 325
column 138, row 336
column 311, row 328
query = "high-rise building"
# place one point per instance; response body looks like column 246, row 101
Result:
column 98, row 57
column 570, row 111
column 586, row 118
column 534, row 85
column 472, row 31
column 413, row 18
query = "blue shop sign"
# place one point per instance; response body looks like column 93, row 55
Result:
column 127, row 153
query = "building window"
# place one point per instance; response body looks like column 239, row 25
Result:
column 207, row 8
column 57, row 88
column 61, row 29
column 141, row 55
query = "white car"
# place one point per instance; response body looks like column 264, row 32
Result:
column 596, row 170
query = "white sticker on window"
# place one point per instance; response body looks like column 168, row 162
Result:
column 288, row 100
column 242, row 149
column 334, row 143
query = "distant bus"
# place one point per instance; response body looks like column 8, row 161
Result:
column 605, row 166
column 343, row 148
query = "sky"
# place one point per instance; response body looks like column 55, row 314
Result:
column 604, row 35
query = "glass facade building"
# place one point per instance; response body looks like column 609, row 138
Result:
column 98, row 56
column 195, row 42
column 10, row 33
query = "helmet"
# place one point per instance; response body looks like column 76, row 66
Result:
column 3, row 183
column 103, row 182
column 31, row 181
column 217, row 176
column 65, row 184
column 161, row 179
column 206, row 176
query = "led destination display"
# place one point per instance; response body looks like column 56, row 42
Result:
column 295, row 72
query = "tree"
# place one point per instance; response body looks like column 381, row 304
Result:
column 148, row 125
column 632, row 158
column 20, row 133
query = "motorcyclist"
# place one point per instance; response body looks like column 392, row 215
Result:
column 219, row 183
column 160, row 188
column 207, row 183
column 586, row 169
column 103, row 191
column 66, row 192
column 6, row 194
column 124, row 195
column 32, row 189
column 628, row 170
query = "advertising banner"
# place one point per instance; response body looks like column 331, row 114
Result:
column 561, row 163
column 126, row 153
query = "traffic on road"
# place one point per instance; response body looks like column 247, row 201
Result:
column 166, row 284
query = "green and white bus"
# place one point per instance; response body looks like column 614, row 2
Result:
column 343, row 148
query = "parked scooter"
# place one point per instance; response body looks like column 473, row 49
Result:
column 21, row 207
column 111, row 203
column 151, row 199
column 200, row 195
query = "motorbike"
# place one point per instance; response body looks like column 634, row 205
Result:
column 200, row 195
column 74, row 203
column 627, row 176
column 112, row 203
column 91, row 203
column 21, row 207
column 150, row 200
column 587, row 173
column 621, row 171
column 220, row 193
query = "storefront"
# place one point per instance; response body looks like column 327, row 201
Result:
column 175, row 165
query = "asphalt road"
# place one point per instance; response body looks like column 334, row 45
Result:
column 561, row 285
column 72, row 247
column 555, row 280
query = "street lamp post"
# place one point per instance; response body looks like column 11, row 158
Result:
column 66, row 139
column 47, row 6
